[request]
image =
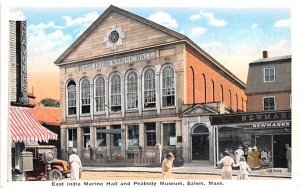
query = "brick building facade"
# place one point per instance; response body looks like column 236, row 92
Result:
column 126, row 83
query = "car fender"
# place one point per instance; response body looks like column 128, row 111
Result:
column 60, row 168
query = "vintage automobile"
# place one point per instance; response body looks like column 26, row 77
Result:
column 45, row 164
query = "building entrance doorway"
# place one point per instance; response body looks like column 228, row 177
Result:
column 200, row 143
column 279, row 150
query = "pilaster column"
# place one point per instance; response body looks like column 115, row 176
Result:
column 93, row 140
column 63, row 139
column 78, row 110
column 106, row 97
column 123, row 93
column 178, row 128
column 158, row 132
column 108, row 142
column 63, row 101
column 92, row 99
column 79, row 142
column 140, row 92
column 123, row 141
column 157, row 88
column 142, row 135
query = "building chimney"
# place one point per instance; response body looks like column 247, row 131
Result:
column 265, row 54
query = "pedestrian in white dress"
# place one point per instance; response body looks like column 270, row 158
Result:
column 75, row 164
column 244, row 169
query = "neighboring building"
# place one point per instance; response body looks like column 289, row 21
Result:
column 269, row 84
column 49, row 117
column 126, row 82
column 267, row 123
column 23, row 127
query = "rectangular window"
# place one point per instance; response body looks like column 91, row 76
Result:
column 116, row 138
column 151, row 133
column 269, row 103
column 169, row 134
column 269, row 74
column 101, row 137
column 133, row 135
column 72, row 140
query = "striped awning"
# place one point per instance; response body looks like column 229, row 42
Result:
column 25, row 128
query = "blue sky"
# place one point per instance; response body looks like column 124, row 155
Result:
column 233, row 36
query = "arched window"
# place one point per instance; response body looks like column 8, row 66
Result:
column 204, row 81
column 222, row 93
column 237, row 102
column 100, row 94
column 230, row 103
column 168, row 86
column 71, row 97
column 149, row 88
column 132, row 93
column 213, row 90
column 85, row 96
column 242, row 103
column 115, row 92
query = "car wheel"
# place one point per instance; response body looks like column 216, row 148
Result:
column 55, row 175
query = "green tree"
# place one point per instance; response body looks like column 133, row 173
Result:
column 50, row 102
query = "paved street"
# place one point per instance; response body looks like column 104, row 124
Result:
column 88, row 175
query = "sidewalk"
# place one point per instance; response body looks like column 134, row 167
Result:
column 194, row 168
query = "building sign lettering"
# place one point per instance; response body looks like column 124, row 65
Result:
column 117, row 61
column 243, row 118
column 272, row 125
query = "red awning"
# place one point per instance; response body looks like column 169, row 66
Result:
column 24, row 126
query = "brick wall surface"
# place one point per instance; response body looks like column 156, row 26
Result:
column 214, row 76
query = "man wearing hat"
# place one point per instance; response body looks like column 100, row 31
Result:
column 75, row 164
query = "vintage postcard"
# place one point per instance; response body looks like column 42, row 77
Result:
column 154, row 94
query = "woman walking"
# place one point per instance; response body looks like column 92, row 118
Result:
column 227, row 166
column 167, row 166
column 244, row 169
column 75, row 164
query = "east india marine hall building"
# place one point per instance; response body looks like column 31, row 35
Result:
column 126, row 83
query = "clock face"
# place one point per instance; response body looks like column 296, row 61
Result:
column 114, row 36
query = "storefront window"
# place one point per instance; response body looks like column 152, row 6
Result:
column 101, row 137
column 151, row 133
column 169, row 134
column 133, row 135
column 231, row 138
column 72, row 140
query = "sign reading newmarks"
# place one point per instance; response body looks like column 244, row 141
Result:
column 250, row 117
column 116, row 61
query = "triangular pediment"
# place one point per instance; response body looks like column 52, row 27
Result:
column 198, row 110
column 117, row 31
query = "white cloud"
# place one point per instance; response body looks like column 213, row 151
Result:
column 282, row 47
column 283, row 23
column 83, row 22
column 40, row 42
column 253, row 26
column 164, row 19
column 50, row 24
column 17, row 15
column 197, row 31
column 210, row 17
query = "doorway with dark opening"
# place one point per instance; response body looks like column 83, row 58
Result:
column 200, row 143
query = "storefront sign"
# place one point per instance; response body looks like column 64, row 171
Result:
column 271, row 125
column 241, row 118
column 117, row 61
